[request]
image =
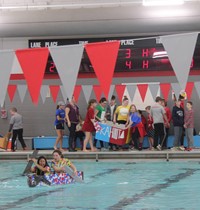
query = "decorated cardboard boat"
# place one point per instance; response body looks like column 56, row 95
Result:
column 53, row 179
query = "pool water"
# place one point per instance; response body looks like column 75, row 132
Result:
column 141, row 185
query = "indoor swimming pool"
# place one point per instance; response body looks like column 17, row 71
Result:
column 139, row 185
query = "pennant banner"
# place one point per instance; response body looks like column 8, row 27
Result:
column 54, row 89
column 154, row 90
column 131, row 91
column 11, row 91
column 176, row 88
column 67, row 60
column 33, row 63
column 197, row 86
column 180, row 49
column 43, row 92
column 87, row 90
column 98, row 92
column 22, row 91
column 143, row 90
column 6, row 61
column 189, row 89
column 103, row 56
column 77, row 91
column 120, row 89
column 165, row 88
column 112, row 87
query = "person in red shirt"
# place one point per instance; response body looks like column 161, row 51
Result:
column 88, row 126
column 167, row 125
column 189, row 125
column 150, row 129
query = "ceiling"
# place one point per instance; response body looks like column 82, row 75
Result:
column 105, row 18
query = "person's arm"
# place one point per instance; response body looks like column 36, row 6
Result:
column 10, row 128
column 72, row 166
column 67, row 110
column 115, row 115
column 95, row 114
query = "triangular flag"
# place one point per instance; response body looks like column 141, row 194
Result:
column 177, row 89
column 43, row 92
column 6, row 61
column 143, row 90
column 16, row 68
column 180, row 50
column 197, row 86
column 112, row 87
column 63, row 92
column 22, row 91
column 11, row 91
column 33, row 63
column 103, row 56
column 165, row 88
column 131, row 91
column 87, row 90
column 77, row 91
column 189, row 89
column 154, row 89
column 67, row 60
column 98, row 92
column 54, row 89
column 120, row 91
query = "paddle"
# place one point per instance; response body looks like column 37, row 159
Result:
column 30, row 163
column 71, row 173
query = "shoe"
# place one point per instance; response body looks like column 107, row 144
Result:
column 174, row 148
column 188, row 149
column 72, row 150
column 181, row 148
column 159, row 147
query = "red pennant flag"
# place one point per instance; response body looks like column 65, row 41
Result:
column 103, row 56
column 165, row 88
column 33, row 63
column 11, row 91
column 54, row 89
column 98, row 92
column 189, row 89
column 120, row 91
column 77, row 91
column 143, row 90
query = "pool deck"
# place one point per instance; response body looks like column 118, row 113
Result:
column 107, row 155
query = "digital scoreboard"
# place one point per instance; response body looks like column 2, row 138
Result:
column 135, row 55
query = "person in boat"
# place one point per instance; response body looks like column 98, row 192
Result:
column 41, row 166
column 59, row 162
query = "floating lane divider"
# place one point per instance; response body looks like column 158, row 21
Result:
column 30, row 163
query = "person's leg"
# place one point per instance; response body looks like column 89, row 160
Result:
column 180, row 136
column 156, row 132
column 162, row 133
column 86, row 140
column 176, row 136
column 72, row 134
column 166, row 137
column 95, row 142
column 190, row 132
column 14, row 137
column 59, row 137
column 21, row 139
column 93, row 149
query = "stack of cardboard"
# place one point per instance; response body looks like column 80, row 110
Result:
column 4, row 140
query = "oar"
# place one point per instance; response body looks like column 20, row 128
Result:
column 30, row 163
column 71, row 173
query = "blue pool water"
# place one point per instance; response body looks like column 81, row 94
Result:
column 108, row 185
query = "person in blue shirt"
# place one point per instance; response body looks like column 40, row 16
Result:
column 137, row 128
column 59, row 124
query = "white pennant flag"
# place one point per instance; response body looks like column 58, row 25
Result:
column 87, row 90
column 154, row 90
column 63, row 92
column 22, row 91
column 177, row 89
column 197, row 86
column 44, row 92
column 112, row 87
column 67, row 60
column 180, row 49
column 6, row 61
column 16, row 68
column 131, row 91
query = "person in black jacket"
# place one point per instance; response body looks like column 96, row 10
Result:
column 178, row 121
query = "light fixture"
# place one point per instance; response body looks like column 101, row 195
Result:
column 162, row 2
column 160, row 54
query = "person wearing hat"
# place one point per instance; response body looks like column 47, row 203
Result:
column 59, row 124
